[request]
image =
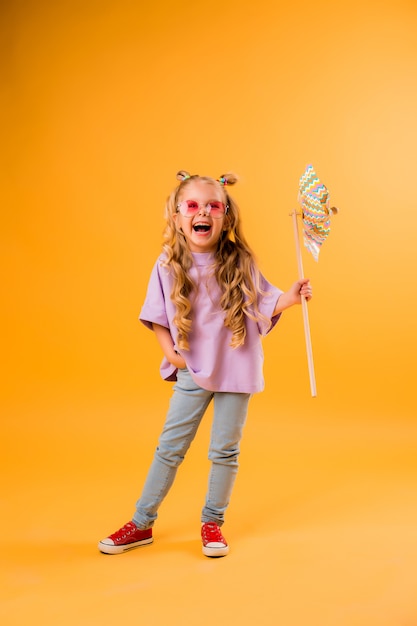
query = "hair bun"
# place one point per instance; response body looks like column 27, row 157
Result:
column 228, row 179
column 183, row 175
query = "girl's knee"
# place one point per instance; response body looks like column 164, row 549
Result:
column 224, row 456
column 170, row 457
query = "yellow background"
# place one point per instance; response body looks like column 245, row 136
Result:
column 102, row 103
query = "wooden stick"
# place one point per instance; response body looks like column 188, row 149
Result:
column 305, row 309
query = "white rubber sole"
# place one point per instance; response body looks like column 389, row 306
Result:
column 215, row 551
column 112, row 549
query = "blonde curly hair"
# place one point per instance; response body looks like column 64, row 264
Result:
column 235, row 267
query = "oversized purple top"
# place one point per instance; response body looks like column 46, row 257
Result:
column 212, row 363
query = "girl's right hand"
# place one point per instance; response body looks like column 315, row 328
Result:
column 165, row 341
column 178, row 361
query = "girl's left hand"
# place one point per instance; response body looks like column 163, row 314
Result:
column 293, row 296
column 305, row 289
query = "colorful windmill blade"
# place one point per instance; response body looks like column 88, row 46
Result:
column 314, row 200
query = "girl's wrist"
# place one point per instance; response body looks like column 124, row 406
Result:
column 177, row 360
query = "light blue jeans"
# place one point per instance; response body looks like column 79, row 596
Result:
column 187, row 407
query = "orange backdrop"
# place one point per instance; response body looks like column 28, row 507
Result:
column 102, row 103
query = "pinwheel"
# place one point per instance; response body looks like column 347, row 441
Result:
column 313, row 198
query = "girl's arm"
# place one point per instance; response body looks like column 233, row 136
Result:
column 165, row 341
column 293, row 296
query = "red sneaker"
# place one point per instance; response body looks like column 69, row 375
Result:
column 127, row 538
column 214, row 544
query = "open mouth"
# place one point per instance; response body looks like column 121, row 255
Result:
column 201, row 228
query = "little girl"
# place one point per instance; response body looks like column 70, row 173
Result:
column 209, row 306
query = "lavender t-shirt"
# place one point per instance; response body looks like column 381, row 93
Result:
column 212, row 363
